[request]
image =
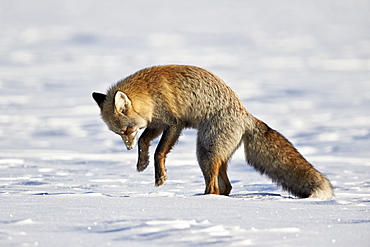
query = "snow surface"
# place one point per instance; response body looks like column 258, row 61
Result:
column 300, row 66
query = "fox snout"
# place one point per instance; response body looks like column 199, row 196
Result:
column 130, row 139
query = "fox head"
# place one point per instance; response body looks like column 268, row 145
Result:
column 119, row 114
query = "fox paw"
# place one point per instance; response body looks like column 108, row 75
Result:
column 142, row 166
column 161, row 180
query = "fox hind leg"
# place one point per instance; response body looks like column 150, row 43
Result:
column 210, row 167
column 215, row 173
column 224, row 184
column 215, row 145
column 214, row 169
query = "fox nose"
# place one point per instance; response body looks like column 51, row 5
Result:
column 129, row 148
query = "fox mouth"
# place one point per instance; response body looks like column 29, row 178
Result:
column 129, row 138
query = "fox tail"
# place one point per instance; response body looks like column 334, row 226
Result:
column 272, row 154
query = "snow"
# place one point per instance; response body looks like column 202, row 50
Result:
column 300, row 66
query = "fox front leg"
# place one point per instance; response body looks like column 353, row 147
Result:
column 148, row 135
column 168, row 140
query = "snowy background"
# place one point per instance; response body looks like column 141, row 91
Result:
column 303, row 67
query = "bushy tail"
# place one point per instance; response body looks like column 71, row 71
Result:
column 272, row 154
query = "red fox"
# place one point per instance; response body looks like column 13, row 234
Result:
column 166, row 99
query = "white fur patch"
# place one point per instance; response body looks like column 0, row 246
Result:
column 325, row 193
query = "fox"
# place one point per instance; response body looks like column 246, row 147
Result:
column 165, row 99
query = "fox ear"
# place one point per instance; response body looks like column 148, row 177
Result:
column 99, row 98
column 121, row 101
